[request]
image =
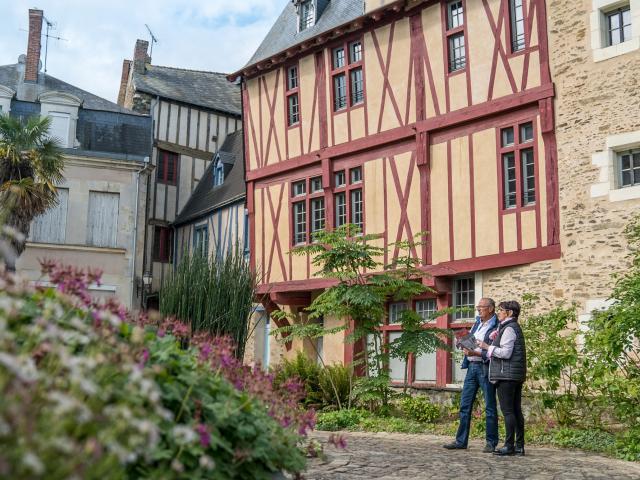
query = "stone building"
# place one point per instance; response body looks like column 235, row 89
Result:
column 507, row 129
column 106, row 151
column 192, row 113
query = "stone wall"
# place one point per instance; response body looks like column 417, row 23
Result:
column 594, row 101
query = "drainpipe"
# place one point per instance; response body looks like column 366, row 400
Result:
column 135, row 231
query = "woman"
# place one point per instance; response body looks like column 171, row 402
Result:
column 508, row 370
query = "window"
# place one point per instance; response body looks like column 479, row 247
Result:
column 426, row 308
column 218, row 174
column 51, row 226
column 629, row 168
column 457, row 58
column 308, row 210
column 167, row 167
column 464, row 297
column 299, row 223
column 307, row 15
column 245, row 233
column 516, row 17
column 102, row 222
column 455, row 14
column 292, row 96
column 162, row 244
column 347, row 74
column 59, row 128
column 201, row 240
column 619, row 26
column 348, row 199
column 395, row 311
column 455, row 35
column 518, row 166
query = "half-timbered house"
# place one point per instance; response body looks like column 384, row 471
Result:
column 193, row 112
column 401, row 117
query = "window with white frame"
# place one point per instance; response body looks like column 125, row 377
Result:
column 518, row 166
column 201, row 240
column 308, row 209
column 516, row 18
column 464, row 297
column 348, row 198
column 102, row 222
column 292, row 96
column 306, row 14
column 218, row 174
column 50, row 227
column 395, row 311
column 455, row 35
column 347, row 74
column 426, row 308
column 613, row 32
column 628, row 166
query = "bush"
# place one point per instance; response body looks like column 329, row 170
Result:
column 420, row 409
column 341, row 419
column 305, row 370
column 86, row 394
column 340, row 377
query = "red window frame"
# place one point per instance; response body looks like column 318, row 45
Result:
column 163, row 244
column 347, row 188
column 306, row 198
column 449, row 33
column 290, row 92
column 517, row 148
column 346, row 70
column 166, row 158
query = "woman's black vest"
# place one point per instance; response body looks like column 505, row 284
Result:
column 514, row 368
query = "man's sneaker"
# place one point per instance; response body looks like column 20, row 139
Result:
column 520, row 451
column 488, row 448
column 454, row 446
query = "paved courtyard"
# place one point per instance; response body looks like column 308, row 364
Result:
column 416, row 457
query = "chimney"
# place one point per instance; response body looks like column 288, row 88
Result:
column 124, row 80
column 33, row 46
column 140, row 56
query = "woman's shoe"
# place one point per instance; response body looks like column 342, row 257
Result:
column 504, row 451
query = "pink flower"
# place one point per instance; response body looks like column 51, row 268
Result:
column 203, row 432
column 337, row 441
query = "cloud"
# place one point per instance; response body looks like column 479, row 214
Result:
column 215, row 35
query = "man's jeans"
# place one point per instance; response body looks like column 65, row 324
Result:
column 477, row 377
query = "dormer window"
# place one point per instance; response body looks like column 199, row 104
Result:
column 306, row 14
column 218, row 174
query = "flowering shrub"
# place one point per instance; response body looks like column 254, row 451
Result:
column 88, row 393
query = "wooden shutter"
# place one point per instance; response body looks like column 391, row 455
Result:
column 59, row 128
column 102, row 224
column 51, row 226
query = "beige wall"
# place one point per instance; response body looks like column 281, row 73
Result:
column 83, row 175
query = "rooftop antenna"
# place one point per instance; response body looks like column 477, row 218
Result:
column 50, row 25
column 153, row 39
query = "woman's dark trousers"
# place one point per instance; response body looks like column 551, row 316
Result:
column 510, row 397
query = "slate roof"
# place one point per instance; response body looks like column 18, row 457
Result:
column 206, row 197
column 11, row 75
column 205, row 89
column 284, row 33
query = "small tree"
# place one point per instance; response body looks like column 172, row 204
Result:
column 31, row 166
column 363, row 287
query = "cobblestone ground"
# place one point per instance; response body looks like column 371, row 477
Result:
column 415, row 457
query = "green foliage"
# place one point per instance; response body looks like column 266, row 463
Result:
column 553, row 363
column 338, row 378
column 31, row 165
column 307, row 371
column 420, row 409
column 345, row 419
column 87, row 395
column 361, row 296
column 214, row 296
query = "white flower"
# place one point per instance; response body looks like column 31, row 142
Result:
column 5, row 429
column 184, row 435
column 66, row 404
column 22, row 367
column 177, row 465
column 207, row 462
column 33, row 463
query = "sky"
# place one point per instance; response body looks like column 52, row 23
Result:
column 213, row 35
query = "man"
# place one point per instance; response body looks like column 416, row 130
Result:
column 477, row 365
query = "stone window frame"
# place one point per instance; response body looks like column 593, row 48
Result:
column 599, row 42
column 6, row 94
column 608, row 183
column 54, row 103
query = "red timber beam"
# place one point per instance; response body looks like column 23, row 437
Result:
column 271, row 307
column 428, row 126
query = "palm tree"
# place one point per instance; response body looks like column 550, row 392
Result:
column 31, row 165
